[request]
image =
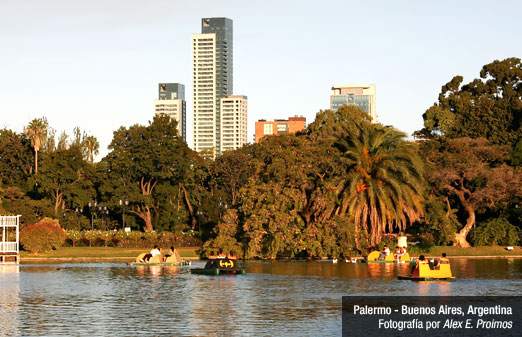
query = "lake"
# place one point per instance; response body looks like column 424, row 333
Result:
column 273, row 299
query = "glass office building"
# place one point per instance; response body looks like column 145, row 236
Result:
column 171, row 101
column 361, row 96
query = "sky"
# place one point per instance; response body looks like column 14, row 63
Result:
column 96, row 64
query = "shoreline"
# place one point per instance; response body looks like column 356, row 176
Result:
column 195, row 258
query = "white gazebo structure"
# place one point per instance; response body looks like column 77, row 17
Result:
column 9, row 243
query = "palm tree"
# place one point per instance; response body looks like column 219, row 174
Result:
column 93, row 146
column 37, row 132
column 382, row 187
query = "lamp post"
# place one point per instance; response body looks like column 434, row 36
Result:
column 124, row 204
column 221, row 206
column 104, row 211
column 92, row 205
column 77, row 211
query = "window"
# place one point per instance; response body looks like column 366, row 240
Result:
column 268, row 129
column 282, row 128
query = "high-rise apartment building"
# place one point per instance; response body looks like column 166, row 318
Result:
column 234, row 122
column 171, row 101
column 212, row 52
column 362, row 96
column 279, row 126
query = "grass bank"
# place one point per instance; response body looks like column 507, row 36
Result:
column 100, row 252
column 472, row 251
column 190, row 252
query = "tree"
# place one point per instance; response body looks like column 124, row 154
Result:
column 329, row 125
column 14, row 201
column 36, row 131
column 64, row 178
column 289, row 199
column 490, row 107
column 93, row 147
column 16, row 158
column 472, row 171
column 382, row 185
column 142, row 158
column 232, row 171
column 63, row 141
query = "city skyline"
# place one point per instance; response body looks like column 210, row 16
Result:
column 96, row 65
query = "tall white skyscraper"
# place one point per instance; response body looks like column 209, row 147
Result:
column 211, row 80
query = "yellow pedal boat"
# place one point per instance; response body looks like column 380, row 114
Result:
column 423, row 272
column 373, row 257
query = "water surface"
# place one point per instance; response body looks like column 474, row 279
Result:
column 273, row 299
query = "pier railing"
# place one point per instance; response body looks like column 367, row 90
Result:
column 8, row 247
column 9, row 238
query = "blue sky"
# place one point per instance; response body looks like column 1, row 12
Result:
column 96, row 64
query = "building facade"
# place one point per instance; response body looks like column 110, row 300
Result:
column 171, row 101
column 362, row 96
column 234, row 122
column 212, row 80
column 279, row 126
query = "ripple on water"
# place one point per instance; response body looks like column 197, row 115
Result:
column 275, row 298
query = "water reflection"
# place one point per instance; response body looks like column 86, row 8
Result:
column 9, row 300
column 274, row 298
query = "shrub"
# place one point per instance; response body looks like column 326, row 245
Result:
column 389, row 239
column 74, row 236
column 225, row 238
column 92, row 236
column 224, row 242
column 495, row 232
column 42, row 236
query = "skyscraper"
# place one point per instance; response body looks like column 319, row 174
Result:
column 212, row 52
column 171, row 101
column 362, row 96
column 234, row 121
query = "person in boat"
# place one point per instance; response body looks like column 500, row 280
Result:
column 442, row 260
column 232, row 256
column 420, row 260
column 171, row 252
column 385, row 252
column 398, row 253
column 402, row 251
column 155, row 251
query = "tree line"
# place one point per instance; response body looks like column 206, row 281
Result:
column 337, row 186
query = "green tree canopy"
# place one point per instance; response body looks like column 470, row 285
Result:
column 16, row 158
column 142, row 158
column 64, row 178
column 473, row 174
column 489, row 107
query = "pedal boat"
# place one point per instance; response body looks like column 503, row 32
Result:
column 423, row 272
column 373, row 257
column 173, row 260
column 219, row 265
